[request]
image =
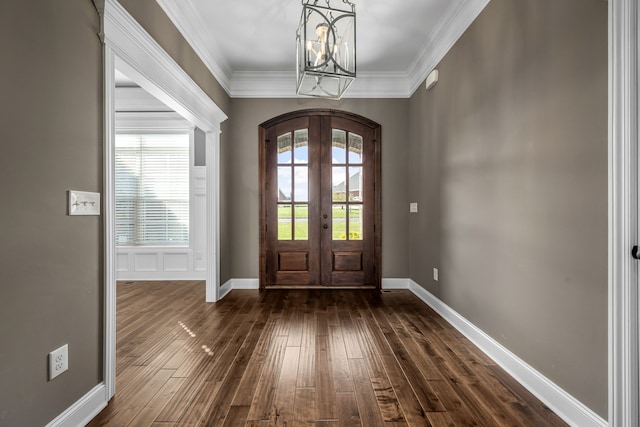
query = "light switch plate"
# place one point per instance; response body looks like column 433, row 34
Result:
column 84, row 203
column 413, row 207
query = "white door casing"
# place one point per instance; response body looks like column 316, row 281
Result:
column 130, row 49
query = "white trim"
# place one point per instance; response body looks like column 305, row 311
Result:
column 396, row 283
column 250, row 283
column 188, row 21
column 562, row 403
column 245, row 283
column 623, row 213
column 225, row 289
column 83, row 410
column 142, row 59
column 130, row 49
column 448, row 30
column 109, row 217
column 281, row 84
column 212, row 154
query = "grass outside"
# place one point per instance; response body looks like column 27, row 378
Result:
column 301, row 225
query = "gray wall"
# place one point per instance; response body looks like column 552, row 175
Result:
column 509, row 167
column 51, row 130
column 50, row 263
column 241, row 201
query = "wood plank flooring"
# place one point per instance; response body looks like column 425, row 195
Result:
column 321, row 358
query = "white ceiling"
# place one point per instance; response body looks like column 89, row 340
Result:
column 249, row 45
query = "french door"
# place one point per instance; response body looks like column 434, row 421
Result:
column 320, row 200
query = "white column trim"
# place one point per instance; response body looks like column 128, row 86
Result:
column 623, row 213
column 212, row 292
column 108, row 214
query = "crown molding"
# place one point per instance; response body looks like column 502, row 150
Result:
column 281, row 84
column 450, row 27
column 190, row 24
column 278, row 84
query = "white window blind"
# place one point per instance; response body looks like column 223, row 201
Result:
column 152, row 189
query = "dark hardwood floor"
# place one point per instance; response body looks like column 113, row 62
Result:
column 302, row 358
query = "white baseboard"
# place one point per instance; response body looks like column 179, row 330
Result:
column 396, row 283
column 255, row 284
column 245, row 283
column 225, row 289
column 84, row 410
column 562, row 403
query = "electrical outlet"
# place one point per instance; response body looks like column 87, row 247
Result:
column 58, row 361
column 413, row 207
column 435, row 274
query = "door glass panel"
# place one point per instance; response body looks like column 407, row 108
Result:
column 284, row 148
column 355, row 222
column 284, row 184
column 339, row 222
column 301, row 228
column 284, row 222
column 355, row 148
column 301, row 146
column 338, row 146
column 301, row 190
column 355, row 184
column 339, row 184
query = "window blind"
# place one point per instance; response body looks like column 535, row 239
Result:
column 152, row 189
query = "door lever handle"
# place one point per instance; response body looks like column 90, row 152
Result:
column 634, row 252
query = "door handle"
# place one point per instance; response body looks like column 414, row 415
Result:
column 634, row 252
column 325, row 226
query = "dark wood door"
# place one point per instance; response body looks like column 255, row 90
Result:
column 320, row 200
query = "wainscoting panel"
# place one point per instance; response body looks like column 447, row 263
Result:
column 146, row 261
column 157, row 264
column 175, row 261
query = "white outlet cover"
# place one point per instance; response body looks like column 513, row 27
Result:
column 58, row 361
column 84, row 203
column 435, row 274
column 413, row 207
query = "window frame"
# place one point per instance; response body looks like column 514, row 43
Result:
column 158, row 123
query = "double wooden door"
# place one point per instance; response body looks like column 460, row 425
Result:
column 320, row 200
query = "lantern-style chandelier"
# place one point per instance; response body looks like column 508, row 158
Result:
column 326, row 56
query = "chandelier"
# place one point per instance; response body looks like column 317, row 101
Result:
column 326, row 54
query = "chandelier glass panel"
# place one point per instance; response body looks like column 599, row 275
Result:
column 326, row 54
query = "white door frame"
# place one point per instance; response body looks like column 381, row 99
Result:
column 130, row 49
column 623, row 213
